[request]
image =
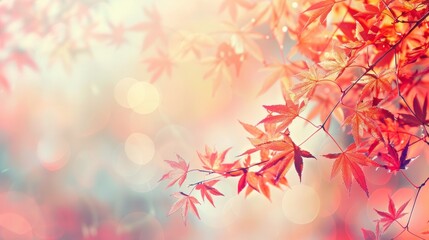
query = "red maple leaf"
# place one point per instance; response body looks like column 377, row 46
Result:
column 255, row 181
column 179, row 172
column 393, row 161
column 259, row 181
column 185, row 202
column 370, row 235
column 214, row 161
column 207, row 190
column 285, row 152
column 419, row 116
column 242, row 182
column 350, row 162
column 392, row 215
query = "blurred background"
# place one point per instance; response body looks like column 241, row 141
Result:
column 90, row 106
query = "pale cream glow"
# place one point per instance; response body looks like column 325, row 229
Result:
column 139, row 148
column 143, row 97
column 301, row 204
column 294, row 4
column 121, row 91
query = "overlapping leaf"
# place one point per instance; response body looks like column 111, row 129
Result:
column 420, row 114
column 283, row 115
column 179, row 172
column 214, row 161
column 370, row 235
column 366, row 119
column 207, row 190
column 184, row 202
column 375, row 84
column 393, row 161
column 319, row 10
column 350, row 164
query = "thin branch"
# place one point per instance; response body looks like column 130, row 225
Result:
column 201, row 170
column 308, row 121
column 372, row 66
column 403, row 174
column 419, row 188
column 222, row 174
column 403, row 98
column 407, row 226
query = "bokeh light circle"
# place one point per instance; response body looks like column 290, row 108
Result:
column 143, row 97
column 121, row 91
column 301, row 204
column 139, row 148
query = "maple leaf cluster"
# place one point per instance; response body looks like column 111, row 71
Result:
column 68, row 30
column 361, row 64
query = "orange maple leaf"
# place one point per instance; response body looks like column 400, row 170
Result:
column 319, row 10
column 214, row 161
column 377, row 83
column 283, row 115
column 335, row 62
column 286, row 151
column 260, row 137
column 309, row 79
column 365, row 119
column 350, row 162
